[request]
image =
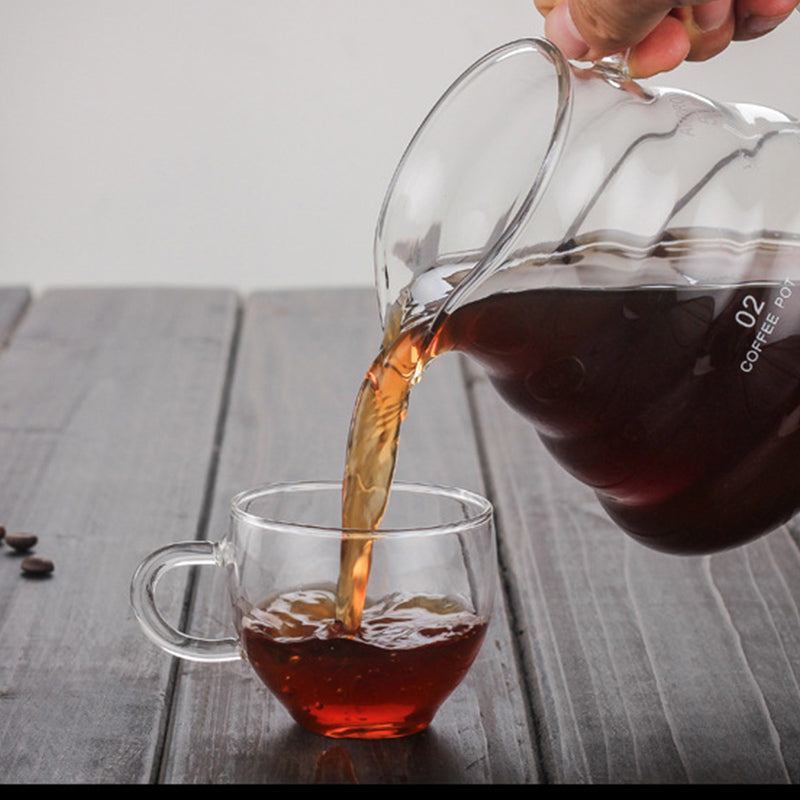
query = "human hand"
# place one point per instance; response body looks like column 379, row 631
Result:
column 657, row 35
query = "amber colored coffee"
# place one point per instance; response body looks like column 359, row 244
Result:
column 387, row 680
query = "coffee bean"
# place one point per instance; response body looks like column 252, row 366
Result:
column 21, row 541
column 35, row 565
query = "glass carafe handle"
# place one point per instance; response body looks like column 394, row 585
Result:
column 614, row 67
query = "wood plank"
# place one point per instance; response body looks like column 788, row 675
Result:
column 13, row 302
column 647, row 667
column 301, row 360
column 108, row 408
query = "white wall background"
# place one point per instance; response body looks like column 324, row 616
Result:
column 245, row 143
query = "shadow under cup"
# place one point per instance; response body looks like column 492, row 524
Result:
column 428, row 603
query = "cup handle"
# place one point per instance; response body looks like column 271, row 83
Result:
column 167, row 637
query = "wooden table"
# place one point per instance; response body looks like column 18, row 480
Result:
column 128, row 418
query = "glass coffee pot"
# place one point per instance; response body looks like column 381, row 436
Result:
column 624, row 262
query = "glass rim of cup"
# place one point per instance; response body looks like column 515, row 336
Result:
column 477, row 510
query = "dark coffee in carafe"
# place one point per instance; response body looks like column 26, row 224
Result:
column 679, row 406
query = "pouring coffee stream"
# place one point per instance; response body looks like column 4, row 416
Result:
column 625, row 265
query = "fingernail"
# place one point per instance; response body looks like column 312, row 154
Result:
column 757, row 25
column 563, row 33
column 712, row 16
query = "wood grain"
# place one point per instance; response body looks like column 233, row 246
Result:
column 108, row 408
column 129, row 418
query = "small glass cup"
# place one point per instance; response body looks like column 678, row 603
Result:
column 429, row 598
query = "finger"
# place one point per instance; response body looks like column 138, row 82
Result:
column 754, row 18
column 710, row 17
column 560, row 29
column 660, row 49
column 601, row 28
column 710, row 27
column 663, row 49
